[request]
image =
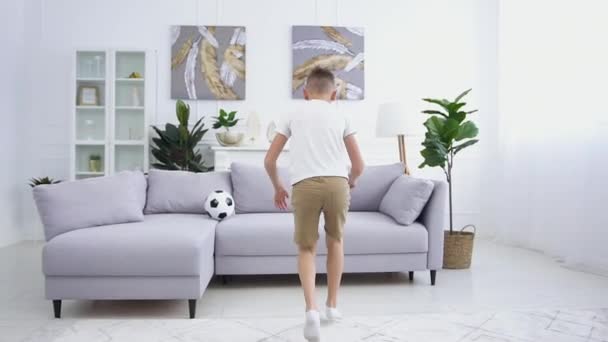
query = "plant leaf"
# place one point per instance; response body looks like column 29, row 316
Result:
column 435, row 112
column 466, row 144
column 459, row 116
column 459, row 97
column 433, row 157
column 435, row 124
column 448, row 130
column 466, row 130
column 443, row 103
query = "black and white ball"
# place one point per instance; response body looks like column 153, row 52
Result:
column 219, row 205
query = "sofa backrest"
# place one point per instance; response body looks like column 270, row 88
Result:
column 183, row 192
column 253, row 191
column 373, row 185
column 72, row 205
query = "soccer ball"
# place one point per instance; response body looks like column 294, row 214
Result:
column 219, row 205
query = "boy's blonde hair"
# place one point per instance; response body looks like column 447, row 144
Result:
column 320, row 81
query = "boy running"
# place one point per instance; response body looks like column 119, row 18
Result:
column 325, row 164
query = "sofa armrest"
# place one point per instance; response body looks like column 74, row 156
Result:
column 433, row 217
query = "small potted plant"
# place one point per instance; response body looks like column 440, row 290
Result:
column 448, row 132
column 34, row 182
column 95, row 163
column 227, row 120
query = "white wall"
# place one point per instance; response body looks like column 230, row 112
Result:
column 414, row 49
column 11, row 84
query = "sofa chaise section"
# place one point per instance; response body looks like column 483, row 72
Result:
column 166, row 256
column 100, row 245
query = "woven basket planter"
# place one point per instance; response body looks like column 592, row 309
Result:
column 458, row 248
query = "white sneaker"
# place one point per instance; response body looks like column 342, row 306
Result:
column 312, row 326
column 332, row 314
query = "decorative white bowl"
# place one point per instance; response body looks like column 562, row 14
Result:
column 229, row 138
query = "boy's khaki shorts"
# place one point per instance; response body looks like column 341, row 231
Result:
column 310, row 197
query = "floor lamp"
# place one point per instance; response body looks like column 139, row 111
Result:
column 393, row 122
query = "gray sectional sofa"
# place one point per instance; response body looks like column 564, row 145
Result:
column 128, row 236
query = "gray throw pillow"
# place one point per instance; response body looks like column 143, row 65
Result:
column 372, row 185
column 406, row 198
column 253, row 190
column 182, row 191
column 67, row 206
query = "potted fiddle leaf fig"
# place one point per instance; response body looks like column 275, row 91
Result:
column 227, row 120
column 175, row 147
column 448, row 132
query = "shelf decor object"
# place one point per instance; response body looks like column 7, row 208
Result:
column 227, row 120
column 88, row 96
column 338, row 49
column 111, row 111
column 208, row 62
column 393, row 122
column 448, row 132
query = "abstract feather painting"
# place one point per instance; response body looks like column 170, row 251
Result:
column 208, row 62
column 338, row 49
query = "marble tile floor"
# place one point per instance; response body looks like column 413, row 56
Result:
column 550, row 325
column 509, row 294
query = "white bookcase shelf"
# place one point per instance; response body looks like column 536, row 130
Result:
column 112, row 135
column 130, row 80
column 90, row 142
column 130, row 108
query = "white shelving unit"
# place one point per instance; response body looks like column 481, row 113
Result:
column 115, row 129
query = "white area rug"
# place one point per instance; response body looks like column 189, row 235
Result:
column 533, row 326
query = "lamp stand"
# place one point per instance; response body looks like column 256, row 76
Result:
column 402, row 152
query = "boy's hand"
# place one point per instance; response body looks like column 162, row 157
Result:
column 351, row 182
column 280, row 198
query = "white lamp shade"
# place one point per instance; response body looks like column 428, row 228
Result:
column 392, row 120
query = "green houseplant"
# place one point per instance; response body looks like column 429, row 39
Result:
column 227, row 120
column 95, row 163
column 34, row 182
column 448, row 132
column 175, row 146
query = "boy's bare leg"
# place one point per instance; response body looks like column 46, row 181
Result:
column 307, row 271
column 335, row 266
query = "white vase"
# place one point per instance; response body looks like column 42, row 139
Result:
column 135, row 100
column 253, row 127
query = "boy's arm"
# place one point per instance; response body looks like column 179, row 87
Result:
column 356, row 160
column 270, row 163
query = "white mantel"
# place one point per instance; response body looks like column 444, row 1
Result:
column 224, row 156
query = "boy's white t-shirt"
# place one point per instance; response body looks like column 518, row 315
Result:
column 316, row 132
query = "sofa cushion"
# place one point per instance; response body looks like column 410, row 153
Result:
column 272, row 234
column 373, row 185
column 161, row 245
column 253, row 191
column 183, row 192
column 91, row 202
column 406, row 198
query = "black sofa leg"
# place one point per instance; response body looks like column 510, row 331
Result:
column 57, row 307
column 224, row 279
column 192, row 307
column 433, row 276
column 411, row 274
